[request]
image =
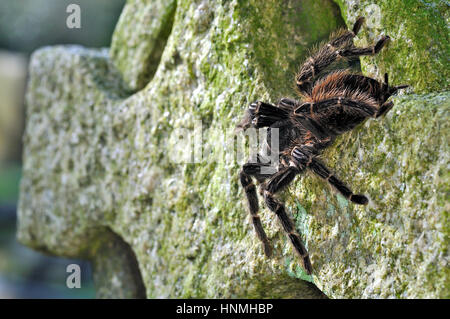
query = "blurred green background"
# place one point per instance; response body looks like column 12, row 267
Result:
column 26, row 25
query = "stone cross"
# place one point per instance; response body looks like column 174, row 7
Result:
column 102, row 179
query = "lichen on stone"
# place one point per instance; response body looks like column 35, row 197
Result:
column 98, row 156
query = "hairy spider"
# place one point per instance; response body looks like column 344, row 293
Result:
column 331, row 104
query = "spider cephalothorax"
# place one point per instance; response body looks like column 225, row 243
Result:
column 331, row 105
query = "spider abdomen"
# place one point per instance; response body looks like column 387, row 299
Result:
column 342, row 82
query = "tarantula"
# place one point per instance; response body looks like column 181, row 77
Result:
column 331, row 105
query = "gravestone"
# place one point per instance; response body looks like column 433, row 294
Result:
column 102, row 180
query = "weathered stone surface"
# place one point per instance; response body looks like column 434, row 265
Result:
column 97, row 158
column 115, row 269
column 137, row 51
column 419, row 46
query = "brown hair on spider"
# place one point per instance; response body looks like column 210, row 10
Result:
column 331, row 105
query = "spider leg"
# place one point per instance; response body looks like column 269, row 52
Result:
column 267, row 114
column 388, row 91
column 372, row 50
column 305, row 158
column 249, row 169
column 254, row 169
column 326, row 55
column 385, row 107
column 346, row 37
column 261, row 114
column 287, row 103
column 276, row 183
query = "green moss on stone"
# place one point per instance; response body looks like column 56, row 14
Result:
column 97, row 157
column 418, row 51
